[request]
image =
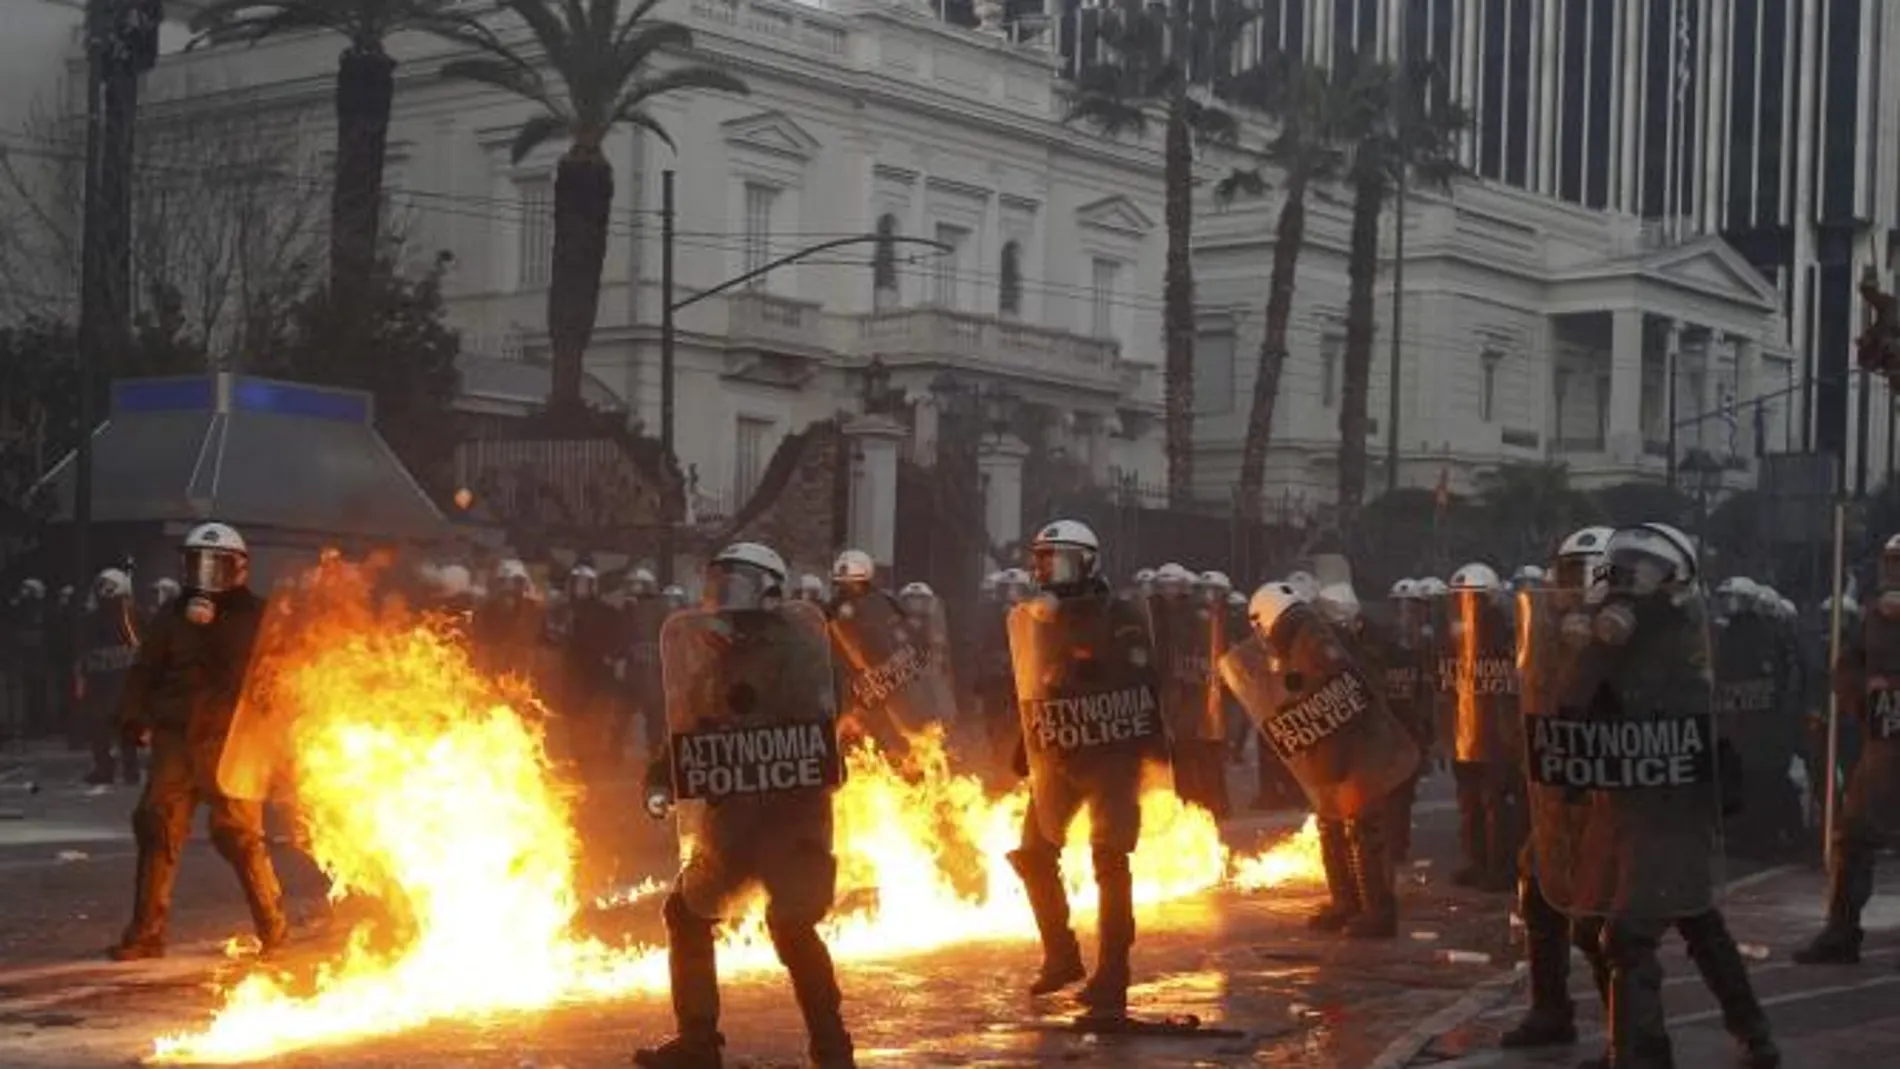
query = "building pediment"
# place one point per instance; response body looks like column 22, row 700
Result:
column 1711, row 264
column 773, row 133
column 1116, row 213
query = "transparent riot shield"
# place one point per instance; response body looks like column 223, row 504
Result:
column 1553, row 639
column 751, row 712
column 1483, row 686
column 1188, row 638
column 1323, row 718
column 258, row 748
column 1870, row 687
column 1630, row 746
column 1086, row 687
column 893, row 684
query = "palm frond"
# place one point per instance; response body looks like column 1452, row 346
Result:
column 511, row 76
column 684, row 78
column 1240, row 182
column 639, row 118
column 1110, row 114
column 547, row 28
column 534, row 133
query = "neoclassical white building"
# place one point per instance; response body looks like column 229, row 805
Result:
column 862, row 115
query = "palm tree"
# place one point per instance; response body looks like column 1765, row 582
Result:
column 1307, row 105
column 1400, row 125
column 1529, row 508
column 365, row 87
column 603, row 59
column 1115, row 97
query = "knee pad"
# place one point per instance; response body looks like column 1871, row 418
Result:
column 1110, row 864
column 681, row 921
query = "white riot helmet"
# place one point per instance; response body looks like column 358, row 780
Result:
column 164, row 589
column 511, row 576
column 1737, row 594
column 1303, row 582
column 453, row 581
column 583, row 581
column 916, row 596
column 112, row 583
column 1173, row 579
column 1578, row 557
column 1270, row 603
column 744, row 575
column 1403, row 590
column 1649, row 557
column 1785, row 609
column 215, row 559
column 1216, row 583
column 1475, row 578
column 810, row 588
column 1014, row 584
column 1527, row 576
column 1144, row 578
column 1236, row 600
column 853, row 570
column 1338, row 603
column 1767, row 599
column 1065, row 554
column 640, row 583
column 32, row 588
column 1432, row 587
column 674, row 594
column 1890, row 564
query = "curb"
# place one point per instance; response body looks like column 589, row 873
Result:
column 1487, row 995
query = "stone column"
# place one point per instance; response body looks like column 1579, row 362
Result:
column 1747, row 389
column 874, row 443
column 925, row 421
column 1714, row 427
column 1673, row 380
column 1095, row 445
column 1625, row 442
column 999, row 463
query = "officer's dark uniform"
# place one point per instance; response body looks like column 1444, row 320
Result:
column 184, row 689
column 111, row 648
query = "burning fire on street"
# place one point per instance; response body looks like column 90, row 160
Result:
column 426, row 788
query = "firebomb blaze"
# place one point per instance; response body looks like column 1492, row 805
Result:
column 426, row 792
column 1622, row 755
column 1071, row 724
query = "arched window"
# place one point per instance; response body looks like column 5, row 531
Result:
column 1009, row 282
column 884, row 264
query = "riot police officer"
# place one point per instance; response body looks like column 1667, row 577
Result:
column 1185, row 635
column 749, row 660
column 994, row 682
column 1090, row 719
column 28, row 617
column 1867, row 686
column 810, row 588
column 112, row 642
column 1553, row 625
column 643, row 611
column 1640, row 858
column 1480, row 648
column 1754, row 715
column 924, row 612
column 589, row 650
column 182, row 693
column 1408, row 694
column 1326, row 719
column 509, row 627
column 891, row 688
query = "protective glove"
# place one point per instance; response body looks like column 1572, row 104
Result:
column 659, row 802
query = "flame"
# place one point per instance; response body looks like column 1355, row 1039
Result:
column 426, row 788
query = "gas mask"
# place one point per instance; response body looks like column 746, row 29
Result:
column 1615, row 623
column 1888, row 604
column 200, row 609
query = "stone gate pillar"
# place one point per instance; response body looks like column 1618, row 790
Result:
column 874, row 442
column 999, row 463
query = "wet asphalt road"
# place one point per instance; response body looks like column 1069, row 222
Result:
column 1244, row 961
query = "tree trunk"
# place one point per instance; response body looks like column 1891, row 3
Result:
column 1287, row 239
column 1178, row 310
column 583, row 200
column 1362, row 270
column 106, row 250
column 365, row 85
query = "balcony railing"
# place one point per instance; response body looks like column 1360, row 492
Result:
column 918, row 334
column 758, row 316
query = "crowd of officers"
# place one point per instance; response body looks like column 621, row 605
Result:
column 1087, row 690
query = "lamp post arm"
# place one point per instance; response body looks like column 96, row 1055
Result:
column 811, row 250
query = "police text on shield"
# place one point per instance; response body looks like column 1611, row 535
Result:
column 1318, row 716
column 1086, row 722
column 1620, row 755
column 716, row 765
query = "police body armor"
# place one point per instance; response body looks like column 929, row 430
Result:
column 643, row 618
column 1324, row 716
column 752, row 733
column 1478, row 684
column 1189, row 638
column 892, row 684
column 1625, row 737
column 1087, row 691
column 1872, row 688
column 931, row 632
column 1750, row 703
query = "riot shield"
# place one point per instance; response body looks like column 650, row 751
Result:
column 1871, row 668
column 1626, row 738
column 1324, row 719
column 1552, row 641
column 1086, row 688
column 750, row 708
column 1189, row 637
column 892, row 685
column 1483, row 684
column 258, row 746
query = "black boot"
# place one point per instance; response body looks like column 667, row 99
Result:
column 264, row 896
column 1061, row 956
column 1106, row 993
column 1638, row 1034
column 1342, row 904
column 1471, row 831
column 1398, row 820
column 815, row 986
column 1849, row 886
column 1504, row 840
column 152, row 895
column 1552, row 1018
column 694, row 969
column 1372, row 876
column 1720, row 962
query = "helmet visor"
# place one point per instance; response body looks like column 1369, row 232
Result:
column 1058, row 565
column 1572, row 573
column 1635, row 569
column 213, row 571
column 583, row 586
column 1890, row 571
column 734, row 584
